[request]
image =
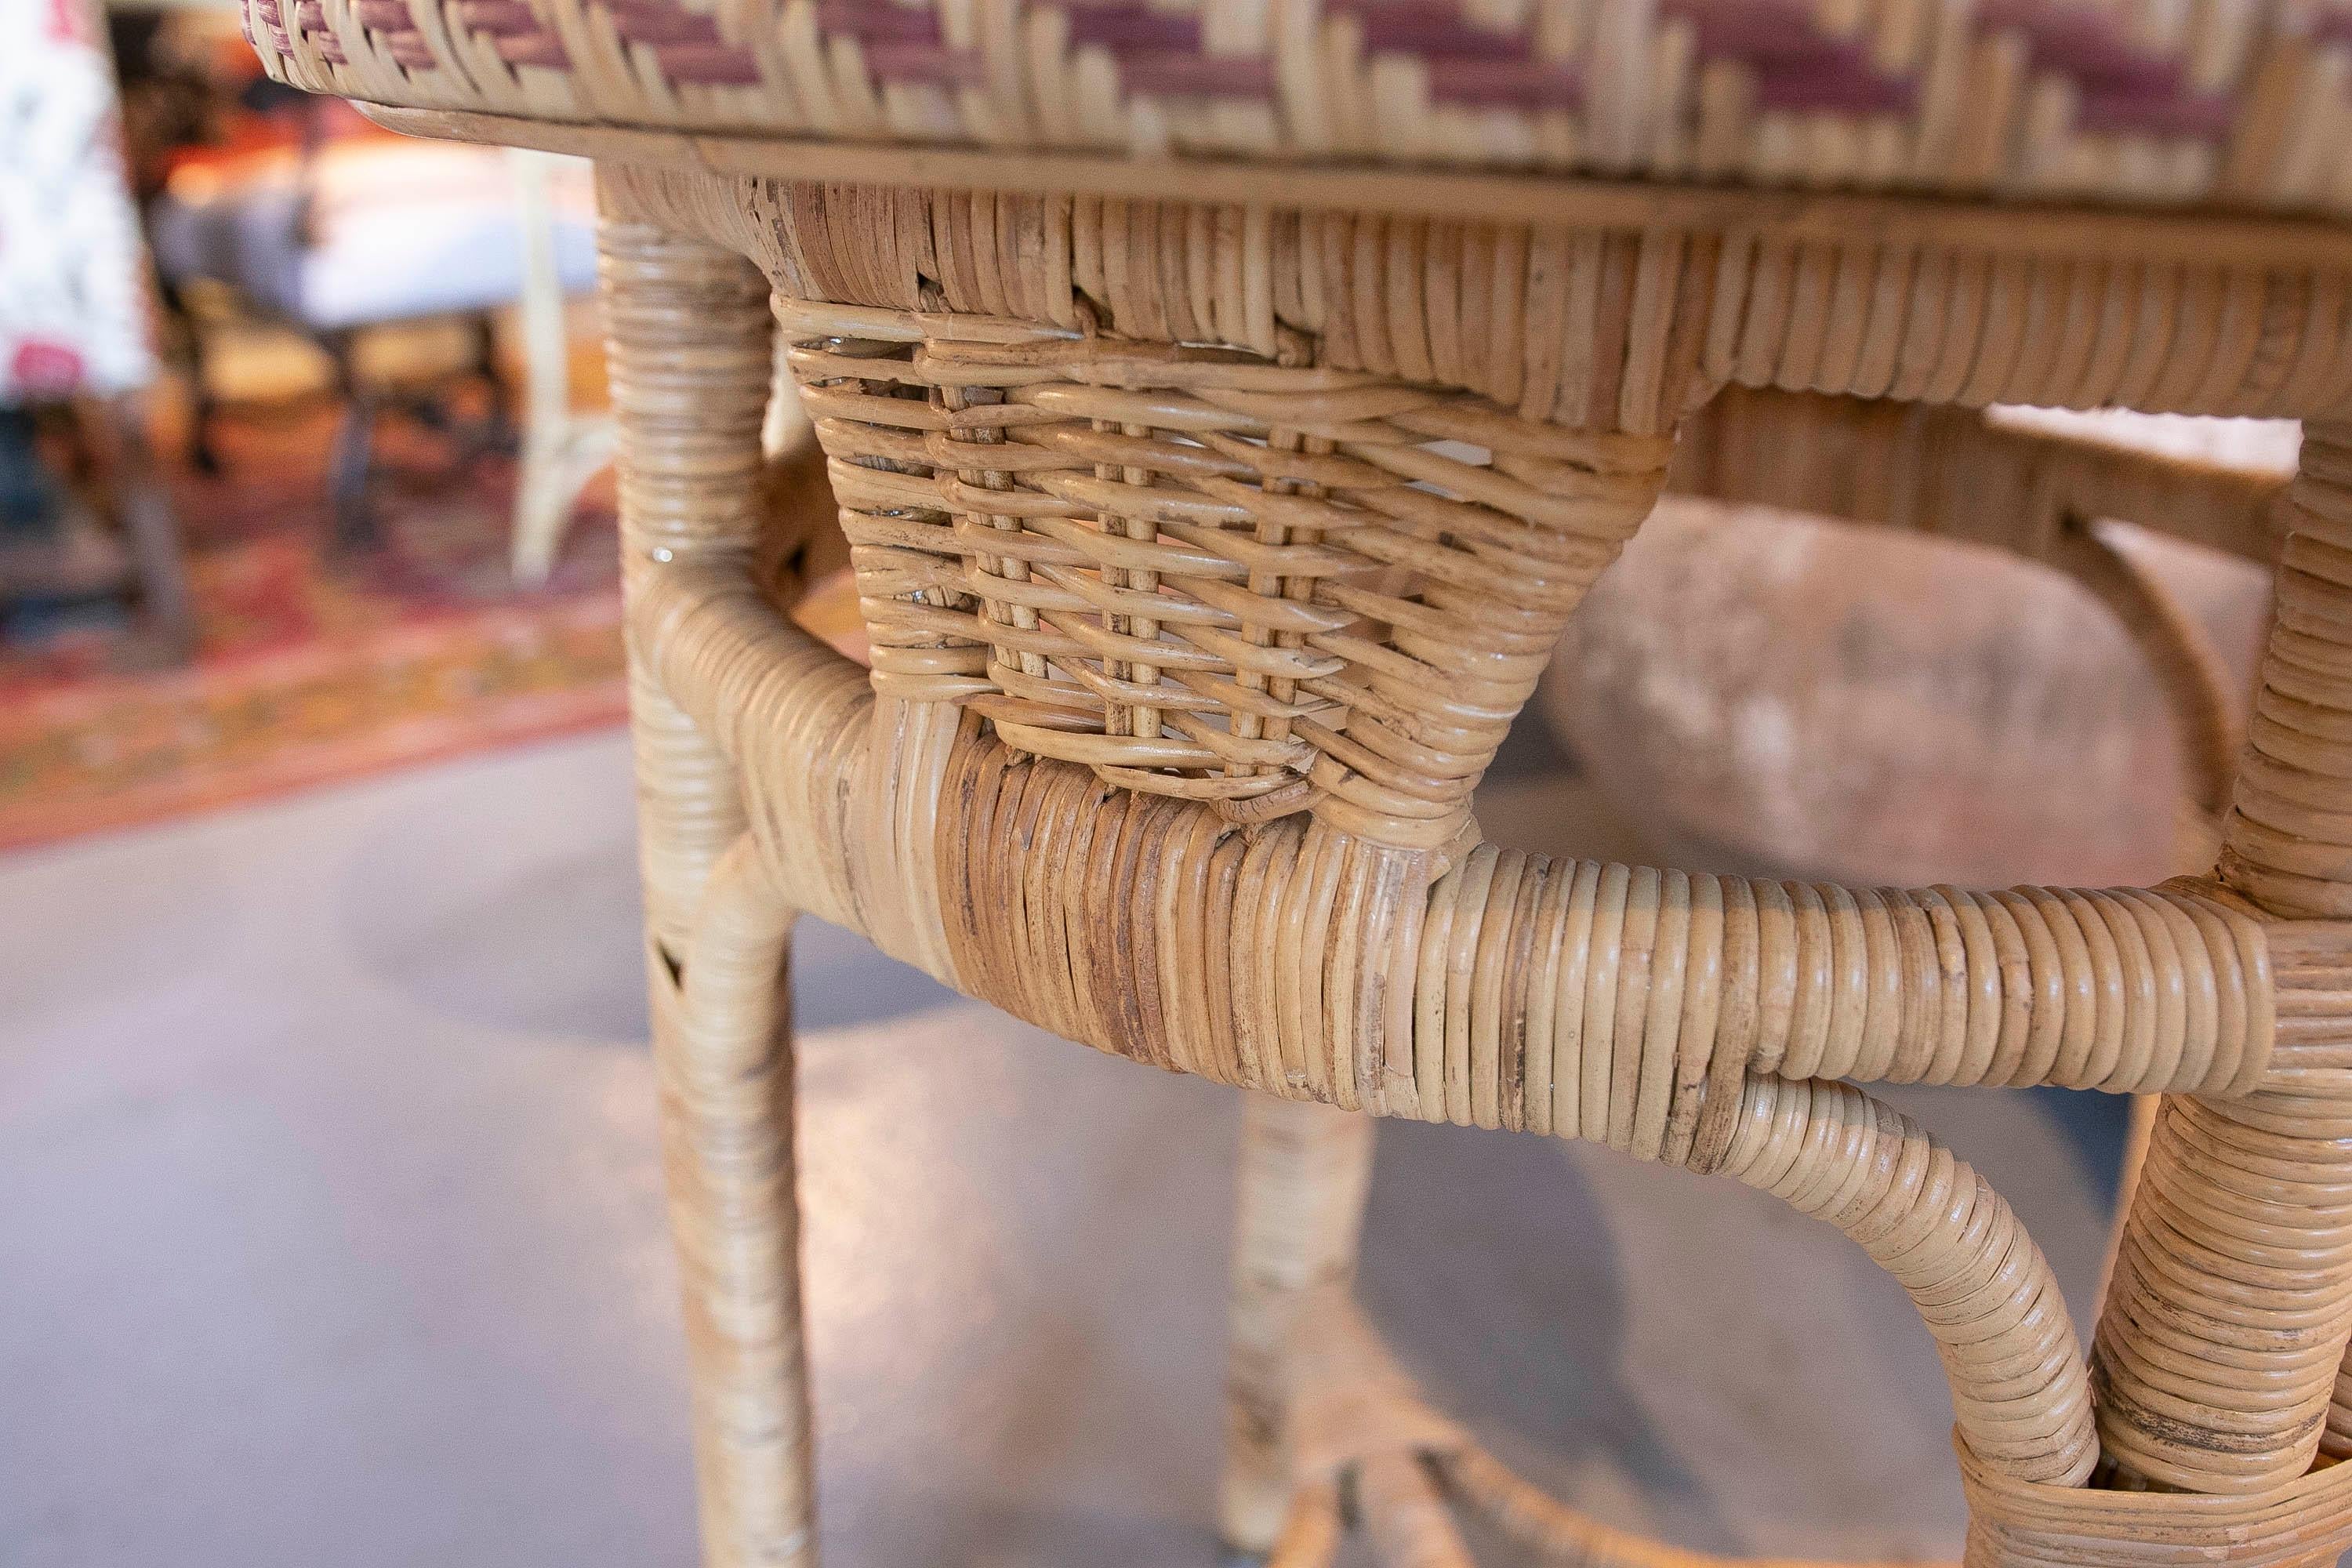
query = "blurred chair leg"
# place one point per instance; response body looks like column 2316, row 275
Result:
column 352, row 455
column 554, row 473
column 562, row 449
column 559, row 458
column 153, row 529
column 498, row 429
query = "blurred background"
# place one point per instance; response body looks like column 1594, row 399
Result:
column 330, row 1222
column 299, row 461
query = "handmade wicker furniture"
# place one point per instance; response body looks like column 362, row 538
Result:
column 1228, row 403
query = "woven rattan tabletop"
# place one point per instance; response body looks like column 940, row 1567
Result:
column 2227, row 105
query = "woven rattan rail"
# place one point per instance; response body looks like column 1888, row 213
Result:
column 1228, row 403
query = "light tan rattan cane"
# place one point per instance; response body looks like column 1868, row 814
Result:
column 1219, row 477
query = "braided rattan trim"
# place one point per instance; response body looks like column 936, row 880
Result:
column 1269, row 585
column 2143, row 101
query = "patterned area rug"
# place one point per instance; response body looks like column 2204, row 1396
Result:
column 310, row 670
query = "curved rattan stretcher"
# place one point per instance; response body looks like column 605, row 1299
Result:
column 1213, row 520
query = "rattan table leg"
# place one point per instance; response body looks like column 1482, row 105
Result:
column 722, row 1040
column 1303, row 1175
column 687, row 330
column 2226, row 1318
column 687, row 333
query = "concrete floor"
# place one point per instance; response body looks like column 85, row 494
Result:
column 330, row 1232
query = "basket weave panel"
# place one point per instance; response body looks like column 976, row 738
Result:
column 1203, row 573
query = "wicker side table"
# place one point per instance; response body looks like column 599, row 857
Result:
column 1227, row 405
